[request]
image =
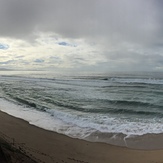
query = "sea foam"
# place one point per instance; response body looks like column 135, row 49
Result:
column 79, row 127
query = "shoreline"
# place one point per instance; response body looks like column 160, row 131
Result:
column 140, row 142
column 50, row 147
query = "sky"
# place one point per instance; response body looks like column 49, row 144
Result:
column 81, row 35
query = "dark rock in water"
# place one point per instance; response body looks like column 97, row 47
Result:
column 105, row 79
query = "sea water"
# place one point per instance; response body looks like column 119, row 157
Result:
column 78, row 106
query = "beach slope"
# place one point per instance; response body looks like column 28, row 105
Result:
column 50, row 147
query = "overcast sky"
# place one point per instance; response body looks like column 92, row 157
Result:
column 82, row 35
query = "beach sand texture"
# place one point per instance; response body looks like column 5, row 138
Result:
column 49, row 147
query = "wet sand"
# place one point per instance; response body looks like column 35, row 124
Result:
column 50, row 147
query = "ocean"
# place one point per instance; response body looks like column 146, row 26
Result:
column 83, row 105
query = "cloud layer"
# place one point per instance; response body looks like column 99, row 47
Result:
column 106, row 34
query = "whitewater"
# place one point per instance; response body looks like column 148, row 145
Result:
column 81, row 105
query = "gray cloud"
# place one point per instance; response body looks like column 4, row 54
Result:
column 105, row 22
column 7, row 62
column 111, row 20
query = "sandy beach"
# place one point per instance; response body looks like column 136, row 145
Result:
column 49, row 147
